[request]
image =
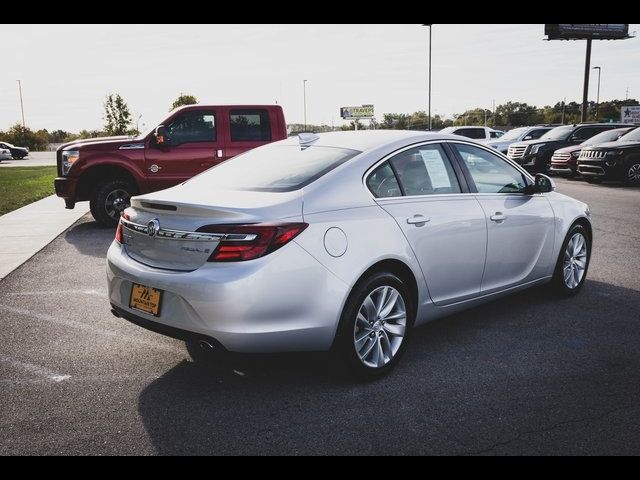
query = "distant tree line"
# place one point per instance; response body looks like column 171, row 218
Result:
column 507, row 115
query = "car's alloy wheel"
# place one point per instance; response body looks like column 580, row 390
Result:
column 575, row 261
column 380, row 326
column 633, row 174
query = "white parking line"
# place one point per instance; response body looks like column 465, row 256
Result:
column 83, row 326
column 93, row 292
column 36, row 370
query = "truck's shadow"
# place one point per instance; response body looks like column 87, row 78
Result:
column 89, row 237
column 466, row 382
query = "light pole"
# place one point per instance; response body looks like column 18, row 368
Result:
column 429, row 25
column 21, row 104
column 304, row 102
column 598, row 96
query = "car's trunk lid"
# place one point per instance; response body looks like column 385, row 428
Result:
column 163, row 227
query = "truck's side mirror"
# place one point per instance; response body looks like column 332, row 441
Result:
column 161, row 135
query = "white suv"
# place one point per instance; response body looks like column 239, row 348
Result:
column 477, row 133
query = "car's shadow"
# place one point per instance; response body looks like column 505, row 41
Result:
column 512, row 360
column 89, row 237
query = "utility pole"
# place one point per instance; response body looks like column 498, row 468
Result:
column 429, row 25
column 564, row 101
column 626, row 97
column 598, row 96
column 22, row 105
column 585, row 91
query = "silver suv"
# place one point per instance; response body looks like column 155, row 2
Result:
column 518, row 135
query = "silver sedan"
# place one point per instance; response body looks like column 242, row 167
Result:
column 341, row 241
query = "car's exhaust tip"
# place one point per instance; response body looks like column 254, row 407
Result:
column 205, row 345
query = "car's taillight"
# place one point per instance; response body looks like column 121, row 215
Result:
column 246, row 242
column 119, row 228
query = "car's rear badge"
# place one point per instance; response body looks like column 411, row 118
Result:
column 193, row 249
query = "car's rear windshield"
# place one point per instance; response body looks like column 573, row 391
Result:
column 558, row 133
column 274, row 168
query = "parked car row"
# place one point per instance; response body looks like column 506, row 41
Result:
column 15, row 153
column 597, row 151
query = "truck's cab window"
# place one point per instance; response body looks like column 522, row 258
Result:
column 250, row 125
column 194, row 126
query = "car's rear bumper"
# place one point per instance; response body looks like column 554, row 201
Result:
column 285, row 301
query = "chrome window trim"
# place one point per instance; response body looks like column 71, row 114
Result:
column 170, row 234
column 132, row 146
column 370, row 170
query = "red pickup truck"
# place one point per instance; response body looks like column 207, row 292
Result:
column 107, row 171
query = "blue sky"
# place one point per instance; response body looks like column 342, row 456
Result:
column 66, row 70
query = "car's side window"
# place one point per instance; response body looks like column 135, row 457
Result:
column 425, row 170
column 194, row 126
column 250, row 125
column 476, row 133
column 588, row 132
column 490, row 173
column 383, row 182
column 535, row 134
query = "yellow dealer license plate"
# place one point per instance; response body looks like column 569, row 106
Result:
column 146, row 299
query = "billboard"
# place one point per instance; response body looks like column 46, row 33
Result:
column 630, row 114
column 363, row 111
column 585, row 31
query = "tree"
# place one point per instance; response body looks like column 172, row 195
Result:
column 117, row 116
column 184, row 99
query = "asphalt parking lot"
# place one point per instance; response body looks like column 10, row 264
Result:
column 528, row 374
column 34, row 159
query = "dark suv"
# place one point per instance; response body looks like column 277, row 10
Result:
column 535, row 155
column 612, row 161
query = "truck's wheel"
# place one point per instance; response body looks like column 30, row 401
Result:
column 109, row 199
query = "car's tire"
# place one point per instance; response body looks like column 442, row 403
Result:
column 632, row 173
column 593, row 180
column 573, row 262
column 109, row 198
column 371, row 338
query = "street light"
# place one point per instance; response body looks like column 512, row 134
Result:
column 21, row 104
column 598, row 97
column 429, row 25
column 304, row 100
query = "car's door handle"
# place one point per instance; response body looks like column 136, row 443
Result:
column 498, row 217
column 418, row 220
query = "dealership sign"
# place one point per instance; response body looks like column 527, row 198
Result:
column 630, row 114
column 363, row 111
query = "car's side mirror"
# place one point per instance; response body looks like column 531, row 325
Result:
column 544, row 184
column 528, row 137
column 161, row 135
column 574, row 139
